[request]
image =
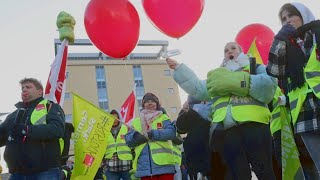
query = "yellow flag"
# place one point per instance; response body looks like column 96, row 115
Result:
column 92, row 125
column 253, row 52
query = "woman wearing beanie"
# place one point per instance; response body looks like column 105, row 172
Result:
column 151, row 137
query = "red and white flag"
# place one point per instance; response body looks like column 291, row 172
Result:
column 128, row 108
column 56, row 83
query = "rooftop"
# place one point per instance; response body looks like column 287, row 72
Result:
column 84, row 49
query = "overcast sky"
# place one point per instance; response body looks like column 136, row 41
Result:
column 28, row 31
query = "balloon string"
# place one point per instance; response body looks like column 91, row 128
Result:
column 127, row 69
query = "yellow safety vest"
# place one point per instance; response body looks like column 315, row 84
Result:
column 39, row 116
column 312, row 84
column 242, row 108
column 177, row 153
column 161, row 151
column 118, row 145
column 275, row 123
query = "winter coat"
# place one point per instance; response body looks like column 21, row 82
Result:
column 41, row 150
column 146, row 166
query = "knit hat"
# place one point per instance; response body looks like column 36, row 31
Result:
column 151, row 97
column 113, row 111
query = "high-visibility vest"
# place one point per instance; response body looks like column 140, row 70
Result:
column 177, row 153
column 312, row 84
column 39, row 116
column 245, row 109
column 275, row 123
column 161, row 151
column 118, row 145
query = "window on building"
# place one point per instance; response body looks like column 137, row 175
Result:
column 102, row 88
column 104, row 105
column 100, row 74
column 137, row 71
column 138, row 80
column 101, row 84
column 167, row 72
column 67, row 96
column 173, row 109
column 139, row 103
column 170, row 90
column 69, row 118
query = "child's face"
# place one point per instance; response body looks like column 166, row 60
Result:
column 231, row 51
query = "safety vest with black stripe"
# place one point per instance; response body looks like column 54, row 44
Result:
column 118, row 145
column 312, row 84
column 177, row 153
column 275, row 123
column 161, row 151
column 39, row 116
column 243, row 109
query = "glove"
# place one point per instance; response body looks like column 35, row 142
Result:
column 20, row 131
column 212, row 77
column 222, row 82
column 65, row 23
column 286, row 32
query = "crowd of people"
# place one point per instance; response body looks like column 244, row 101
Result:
column 232, row 121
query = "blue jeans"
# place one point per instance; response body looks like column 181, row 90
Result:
column 118, row 175
column 51, row 174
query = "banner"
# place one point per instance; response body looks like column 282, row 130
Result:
column 291, row 166
column 55, row 87
column 127, row 109
column 92, row 125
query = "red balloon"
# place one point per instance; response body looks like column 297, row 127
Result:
column 264, row 38
column 113, row 26
column 174, row 18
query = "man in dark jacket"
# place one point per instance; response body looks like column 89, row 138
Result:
column 31, row 135
column 201, row 160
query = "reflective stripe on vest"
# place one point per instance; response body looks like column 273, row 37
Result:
column 39, row 116
column 275, row 124
column 298, row 95
column 241, row 109
column 312, row 73
column 177, row 154
column 161, row 151
column 118, row 145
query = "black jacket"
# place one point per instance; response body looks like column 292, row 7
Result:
column 196, row 144
column 41, row 150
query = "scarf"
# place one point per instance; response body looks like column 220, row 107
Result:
column 146, row 118
column 236, row 64
column 296, row 61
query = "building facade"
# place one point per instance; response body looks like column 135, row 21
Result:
column 107, row 82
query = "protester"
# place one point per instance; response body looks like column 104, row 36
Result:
column 31, row 135
column 196, row 144
column 176, row 146
column 118, row 156
column 239, row 110
column 68, row 130
column 151, row 136
column 294, row 59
